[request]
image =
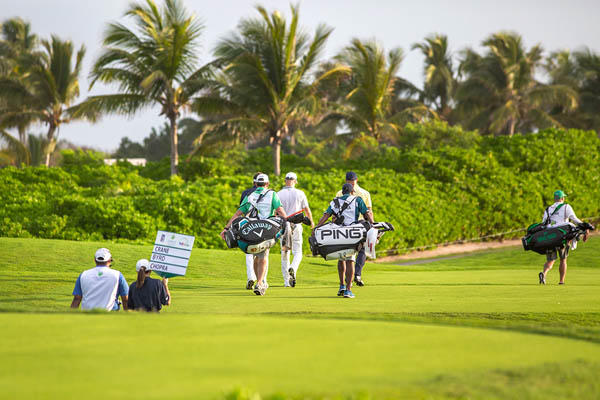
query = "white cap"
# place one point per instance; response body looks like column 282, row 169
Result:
column 291, row 175
column 142, row 263
column 262, row 178
column 103, row 255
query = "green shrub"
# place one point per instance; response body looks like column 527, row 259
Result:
column 432, row 194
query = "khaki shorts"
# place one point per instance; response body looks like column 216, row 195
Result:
column 563, row 253
column 349, row 258
column 264, row 254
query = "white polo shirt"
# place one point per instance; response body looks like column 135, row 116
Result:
column 562, row 216
column 99, row 288
column 292, row 199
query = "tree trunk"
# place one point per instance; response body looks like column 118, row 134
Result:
column 22, row 135
column 374, row 130
column 277, row 155
column 174, row 152
column 511, row 127
column 293, row 143
column 51, row 143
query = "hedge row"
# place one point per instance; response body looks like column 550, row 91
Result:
column 430, row 195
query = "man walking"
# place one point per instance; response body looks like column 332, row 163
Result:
column 361, row 257
column 266, row 203
column 100, row 287
column 558, row 214
column 293, row 201
column 347, row 208
column 250, row 274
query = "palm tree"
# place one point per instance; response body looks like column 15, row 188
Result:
column 15, row 152
column 153, row 64
column 16, row 45
column 48, row 91
column 36, row 147
column 588, row 63
column 563, row 68
column 439, row 74
column 17, row 50
column 264, row 86
column 374, row 105
column 500, row 93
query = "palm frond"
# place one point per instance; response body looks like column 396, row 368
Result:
column 124, row 104
column 16, row 147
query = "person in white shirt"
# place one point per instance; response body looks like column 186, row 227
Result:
column 293, row 201
column 361, row 257
column 558, row 214
column 99, row 287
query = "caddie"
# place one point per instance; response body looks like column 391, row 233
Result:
column 559, row 214
column 293, row 200
column 361, row 257
column 100, row 287
column 265, row 203
column 346, row 210
column 250, row 274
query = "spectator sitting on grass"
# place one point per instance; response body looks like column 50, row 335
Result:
column 99, row 287
column 147, row 294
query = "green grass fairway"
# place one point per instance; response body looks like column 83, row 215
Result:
column 473, row 327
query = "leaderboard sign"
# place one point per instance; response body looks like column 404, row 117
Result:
column 171, row 253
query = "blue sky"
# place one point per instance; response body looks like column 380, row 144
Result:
column 555, row 24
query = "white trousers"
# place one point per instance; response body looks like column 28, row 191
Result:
column 296, row 252
column 250, row 268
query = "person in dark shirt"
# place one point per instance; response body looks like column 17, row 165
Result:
column 249, row 190
column 147, row 294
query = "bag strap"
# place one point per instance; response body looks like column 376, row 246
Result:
column 250, row 212
column 263, row 195
column 548, row 215
column 344, row 207
column 558, row 208
column 336, row 201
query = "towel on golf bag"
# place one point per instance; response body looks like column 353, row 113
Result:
column 336, row 242
column 374, row 235
column 542, row 240
column 286, row 237
column 253, row 236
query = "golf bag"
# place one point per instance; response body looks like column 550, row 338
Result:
column 541, row 239
column 337, row 242
column 254, row 236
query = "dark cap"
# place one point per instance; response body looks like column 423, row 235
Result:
column 347, row 188
column 351, row 176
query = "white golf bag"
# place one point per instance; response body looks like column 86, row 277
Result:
column 338, row 242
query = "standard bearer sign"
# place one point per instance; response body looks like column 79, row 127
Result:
column 171, row 254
